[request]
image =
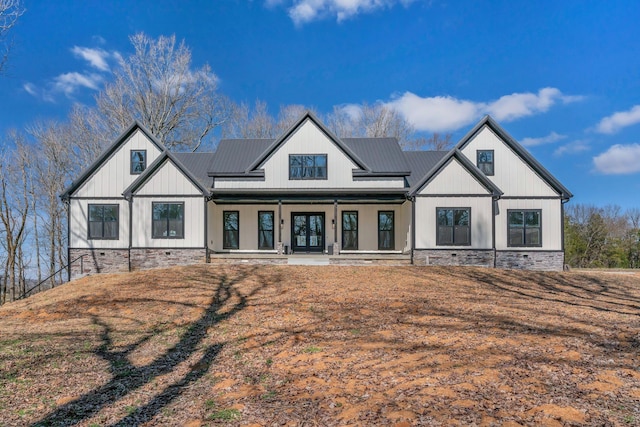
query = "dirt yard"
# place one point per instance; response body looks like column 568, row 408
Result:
column 325, row 346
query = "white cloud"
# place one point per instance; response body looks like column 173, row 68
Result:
column 31, row 89
column 619, row 120
column 516, row 105
column 305, row 11
column 97, row 58
column 435, row 114
column 619, row 160
column 446, row 113
column 549, row 139
column 68, row 83
column 574, row 147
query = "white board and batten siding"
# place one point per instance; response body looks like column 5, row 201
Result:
column 309, row 139
column 79, row 223
column 168, row 180
column 454, row 178
column 114, row 176
column 193, row 223
column 551, row 221
column 511, row 174
column 481, row 220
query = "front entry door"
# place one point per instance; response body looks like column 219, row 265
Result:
column 307, row 231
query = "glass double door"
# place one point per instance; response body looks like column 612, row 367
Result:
column 307, row 232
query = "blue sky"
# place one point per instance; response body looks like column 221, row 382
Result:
column 562, row 77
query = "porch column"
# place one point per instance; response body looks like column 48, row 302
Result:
column 336, row 245
column 280, row 245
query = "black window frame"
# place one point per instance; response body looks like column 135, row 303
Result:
column 261, row 230
column 225, row 241
column 492, row 163
column 524, row 228
column 392, row 246
column 453, row 226
column 167, row 220
column 102, row 221
column 345, row 231
column 133, row 162
column 301, row 176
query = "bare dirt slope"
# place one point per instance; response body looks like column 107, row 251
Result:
column 325, row 346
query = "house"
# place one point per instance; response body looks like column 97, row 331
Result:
column 485, row 202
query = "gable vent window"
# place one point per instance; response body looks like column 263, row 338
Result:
column 307, row 166
column 485, row 161
column 138, row 161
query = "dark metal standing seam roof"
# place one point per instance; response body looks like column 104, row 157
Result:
column 236, row 155
column 380, row 154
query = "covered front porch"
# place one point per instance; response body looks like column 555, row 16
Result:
column 360, row 226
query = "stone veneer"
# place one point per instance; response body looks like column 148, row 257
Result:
column 480, row 258
column 117, row 260
column 525, row 260
column 142, row 259
column 98, row 261
column 531, row 260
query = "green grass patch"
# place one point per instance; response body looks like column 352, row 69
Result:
column 225, row 415
column 312, row 349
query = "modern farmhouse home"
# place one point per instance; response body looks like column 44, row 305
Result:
column 486, row 202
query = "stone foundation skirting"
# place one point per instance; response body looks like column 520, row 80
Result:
column 117, row 260
column 472, row 257
column 98, row 261
column 142, row 259
column 531, row 260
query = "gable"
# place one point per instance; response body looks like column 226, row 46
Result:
column 512, row 173
column 111, row 174
column 454, row 178
column 167, row 180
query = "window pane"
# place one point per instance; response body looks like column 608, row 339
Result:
column 516, row 237
column 265, row 220
column 385, row 240
column 95, row 230
column 461, row 217
column 321, row 161
column 533, row 236
column 532, row 219
column 350, row 239
column 110, row 230
column 385, row 222
column 445, row 235
column 110, row 213
column 231, row 221
column 445, row 217
column 159, row 228
column 461, row 235
column 516, row 219
column 159, row 211
column 95, row 213
column 230, row 239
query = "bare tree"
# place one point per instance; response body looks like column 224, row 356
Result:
column 257, row 122
column 157, row 86
column 370, row 120
column 54, row 162
column 10, row 11
column 14, row 212
column 436, row 142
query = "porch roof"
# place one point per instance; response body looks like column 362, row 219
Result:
column 311, row 195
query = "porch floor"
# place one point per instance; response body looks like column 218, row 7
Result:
column 311, row 259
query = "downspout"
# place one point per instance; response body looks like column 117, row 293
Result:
column 280, row 222
column 130, row 228
column 206, row 230
column 68, row 203
column 412, row 200
column 562, row 202
column 494, row 212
